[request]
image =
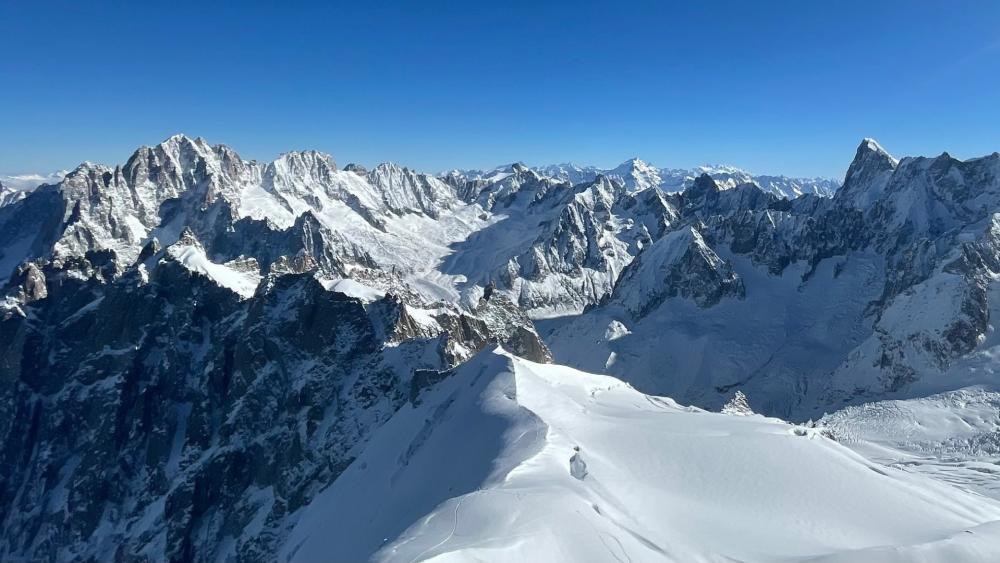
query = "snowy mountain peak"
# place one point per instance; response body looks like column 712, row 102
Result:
column 184, row 146
column 9, row 196
column 868, row 174
column 869, row 144
column 634, row 164
column 703, row 184
column 180, row 139
column 721, row 169
column 358, row 169
column 308, row 158
column 870, row 151
column 636, row 175
column 679, row 264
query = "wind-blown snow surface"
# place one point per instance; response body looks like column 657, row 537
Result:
column 509, row 460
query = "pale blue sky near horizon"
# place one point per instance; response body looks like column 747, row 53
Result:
column 787, row 87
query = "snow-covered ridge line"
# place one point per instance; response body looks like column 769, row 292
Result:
column 508, row 460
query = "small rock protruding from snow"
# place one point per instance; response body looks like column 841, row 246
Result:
column 615, row 331
column 577, row 467
column 738, row 406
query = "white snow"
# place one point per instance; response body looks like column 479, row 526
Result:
column 784, row 329
column 616, row 330
column 424, row 317
column 193, row 258
column 354, row 288
column 509, row 460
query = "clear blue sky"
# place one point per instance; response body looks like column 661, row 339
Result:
column 782, row 86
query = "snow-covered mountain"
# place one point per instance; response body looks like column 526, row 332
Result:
column 204, row 357
column 10, row 195
column 636, row 175
column 15, row 188
column 883, row 290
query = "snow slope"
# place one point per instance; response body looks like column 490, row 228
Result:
column 765, row 344
column 509, row 460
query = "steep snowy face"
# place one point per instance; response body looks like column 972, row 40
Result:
column 507, row 460
column 569, row 172
column 867, row 176
column 105, row 209
column 935, row 195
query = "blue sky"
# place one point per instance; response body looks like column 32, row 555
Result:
column 776, row 87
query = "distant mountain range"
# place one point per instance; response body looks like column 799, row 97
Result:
column 637, row 175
